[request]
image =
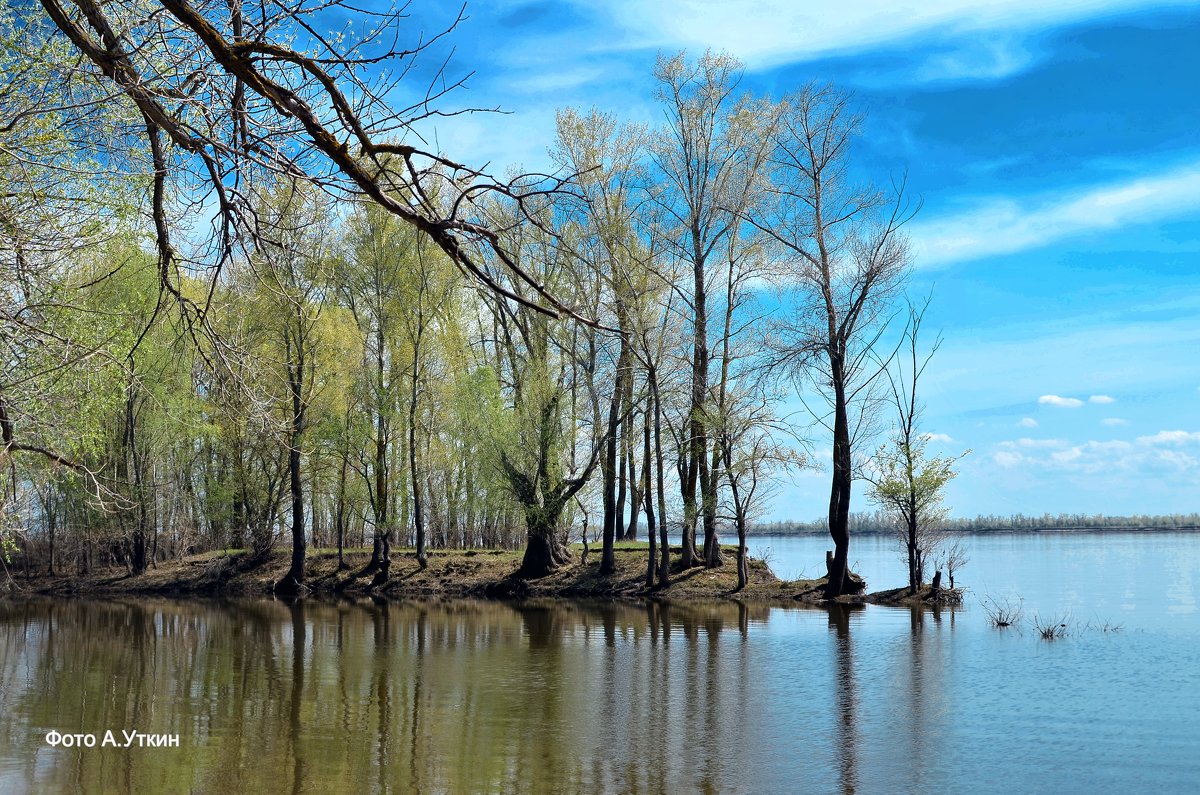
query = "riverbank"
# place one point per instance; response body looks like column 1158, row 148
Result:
column 451, row 574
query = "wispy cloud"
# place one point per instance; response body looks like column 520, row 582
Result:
column 768, row 32
column 1060, row 402
column 1114, row 422
column 1102, row 400
column 938, row 437
column 1171, row 438
column 1174, row 454
column 1027, row 422
column 1007, row 225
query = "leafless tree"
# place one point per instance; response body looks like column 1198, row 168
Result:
column 847, row 259
column 228, row 91
column 710, row 156
column 905, row 483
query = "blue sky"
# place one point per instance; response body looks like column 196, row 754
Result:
column 1057, row 153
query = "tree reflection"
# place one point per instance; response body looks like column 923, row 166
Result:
column 298, row 641
column 846, row 697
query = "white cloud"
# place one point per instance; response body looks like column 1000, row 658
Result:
column 1170, row 437
column 1102, row 400
column 1060, row 402
column 1113, row 421
column 769, row 32
column 1168, row 454
column 938, row 437
column 1027, row 422
column 1008, row 225
column 1008, row 459
column 1037, row 444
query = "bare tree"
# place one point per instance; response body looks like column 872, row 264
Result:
column 846, row 259
column 906, row 484
column 229, row 92
column 709, row 156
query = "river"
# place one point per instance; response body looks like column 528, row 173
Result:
column 472, row 697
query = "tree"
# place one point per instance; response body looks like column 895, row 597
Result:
column 431, row 293
column 68, row 189
column 607, row 221
column 229, row 94
column 292, row 262
column 904, row 482
column 846, row 258
column 381, row 251
column 709, row 157
column 751, row 456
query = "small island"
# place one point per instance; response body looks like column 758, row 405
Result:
column 458, row 574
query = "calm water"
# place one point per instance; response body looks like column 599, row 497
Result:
column 478, row 697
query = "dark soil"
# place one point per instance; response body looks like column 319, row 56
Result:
column 450, row 574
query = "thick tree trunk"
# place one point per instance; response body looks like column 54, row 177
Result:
column 914, row 569
column 743, row 561
column 712, row 544
column 293, row 581
column 688, row 554
column 839, row 492
column 544, row 551
column 383, row 571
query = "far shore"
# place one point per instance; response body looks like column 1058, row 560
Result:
column 983, row 531
column 451, row 574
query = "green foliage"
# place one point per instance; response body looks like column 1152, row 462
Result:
column 910, row 486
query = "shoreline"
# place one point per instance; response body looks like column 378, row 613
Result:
column 990, row 531
column 451, row 574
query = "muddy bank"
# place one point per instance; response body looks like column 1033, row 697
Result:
column 450, row 574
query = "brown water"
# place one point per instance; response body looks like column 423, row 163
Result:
column 475, row 697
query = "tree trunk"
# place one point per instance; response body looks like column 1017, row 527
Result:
column 637, row 488
column 652, row 557
column 743, row 561
column 623, row 481
column 385, row 561
column 712, row 544
column 914, row 570
column 544, row 552
column 379, row 500
column 340, row 514
column 664, row 568
column 418, row 518
column 839, row 492
column 608, row 561
column 697, row 447
column 293, row 581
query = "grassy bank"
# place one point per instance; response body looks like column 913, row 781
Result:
column 450, row 574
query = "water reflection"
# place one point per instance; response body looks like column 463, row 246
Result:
column 845, row 698
column 482, row 697
column 411, row 698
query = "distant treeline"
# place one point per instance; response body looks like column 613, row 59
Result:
column 877, row 522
